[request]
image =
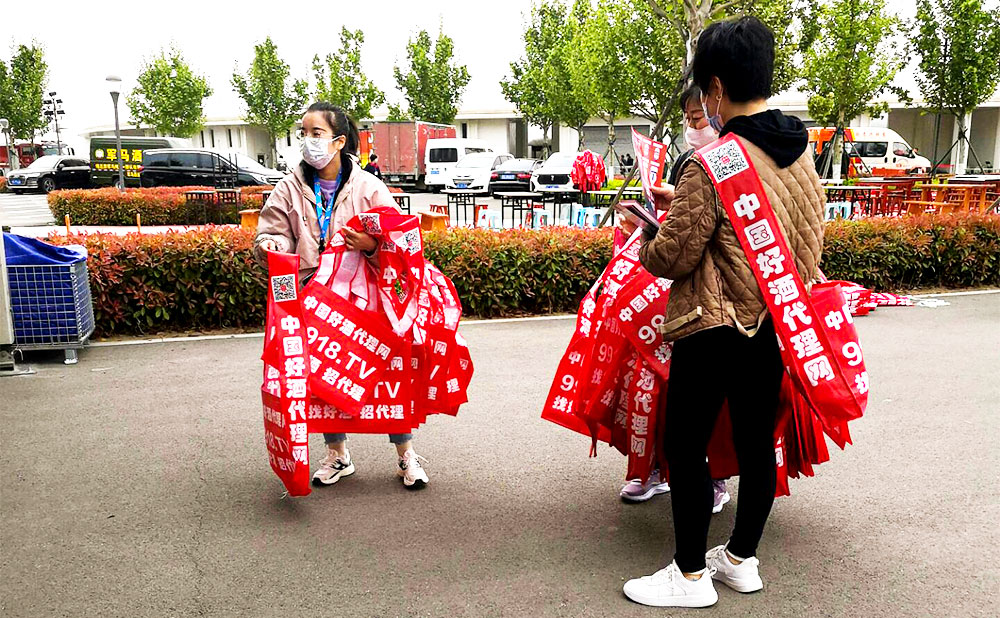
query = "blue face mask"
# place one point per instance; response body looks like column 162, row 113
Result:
column 716, row 120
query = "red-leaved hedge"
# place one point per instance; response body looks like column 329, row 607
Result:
column 208, row 279
column 157, row 206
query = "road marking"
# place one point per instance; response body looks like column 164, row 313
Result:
column 972, row 293
column 111, row 344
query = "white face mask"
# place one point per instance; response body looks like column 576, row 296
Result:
column 316, row 151
column 699, row 138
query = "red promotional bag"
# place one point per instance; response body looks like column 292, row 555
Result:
column 816, row 333
column 285, row 390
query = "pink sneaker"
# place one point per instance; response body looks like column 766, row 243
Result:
column 637, row 491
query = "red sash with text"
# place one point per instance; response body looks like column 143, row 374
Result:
column 816, row 333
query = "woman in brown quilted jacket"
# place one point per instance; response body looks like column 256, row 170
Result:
column 725, row 347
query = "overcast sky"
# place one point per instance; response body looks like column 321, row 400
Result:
column 86, row 41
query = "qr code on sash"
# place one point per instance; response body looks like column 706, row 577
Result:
column 726, row 161
column 283, row 288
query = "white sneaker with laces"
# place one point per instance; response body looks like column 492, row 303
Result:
column 669, row 588
column 332, row 468
column 742, row 577
column 413, row 474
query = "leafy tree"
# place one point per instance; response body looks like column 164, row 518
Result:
column 596, row 71
column 851, row 64
column 537, row 83
column 792, row 21
column 22, row 85
column 651, row 53
column 397, row 113
column 272, row 103
column 958, row 43
column 169, row 97
column 341, row 80
column 430, row 81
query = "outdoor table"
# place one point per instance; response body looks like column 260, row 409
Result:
column 967, row 196
column 861, row 195
column 460, row 197
column 517, row 201
column 228, row 196
column 199, row 195
column 403, row 201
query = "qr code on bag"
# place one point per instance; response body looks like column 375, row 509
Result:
column 411, row 241
column 726, row 161
column 283, row 288
column 370, row 221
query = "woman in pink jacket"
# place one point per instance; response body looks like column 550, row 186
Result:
column 303, row 212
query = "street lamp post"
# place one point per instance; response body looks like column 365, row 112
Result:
column 115, row 88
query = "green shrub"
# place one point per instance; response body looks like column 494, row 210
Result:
column 519, row 271
column 951, row 251
column 208, row 279
column 175, row 281
column 157, row 206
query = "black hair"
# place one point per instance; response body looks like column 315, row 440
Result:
column 740, row 52
column 374, row 157
column 342, row 124
column 691, row 92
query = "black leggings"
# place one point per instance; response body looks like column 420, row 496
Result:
column 707, row 368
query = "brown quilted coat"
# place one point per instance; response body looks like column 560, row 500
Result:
column 697, row 247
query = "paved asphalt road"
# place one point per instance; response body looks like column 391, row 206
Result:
column 28, row 209
column 136, row 484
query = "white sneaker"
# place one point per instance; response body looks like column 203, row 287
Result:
column 669, row 588
column 742, row 577
column 721, row 496
column 413, row 474
column 636, row 491
column 332, row 468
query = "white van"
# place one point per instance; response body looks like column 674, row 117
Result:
column 877, row 147
column 443, row 153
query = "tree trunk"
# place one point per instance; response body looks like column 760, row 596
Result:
column 837, row 149
column 937, row 136
column 962, row 122
column 273, row 150
column 545, row 141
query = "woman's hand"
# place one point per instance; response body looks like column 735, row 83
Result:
column 626, row 225
column 268, row 244
column 359, row 241
column 662, row 196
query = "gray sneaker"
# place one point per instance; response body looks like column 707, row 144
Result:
column 332, row 468
column 637, row 491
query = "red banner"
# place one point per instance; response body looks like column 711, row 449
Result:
column 651, row 156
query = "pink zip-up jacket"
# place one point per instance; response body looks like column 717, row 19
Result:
column 289, row 216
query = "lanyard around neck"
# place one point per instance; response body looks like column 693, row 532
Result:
column 324, row 212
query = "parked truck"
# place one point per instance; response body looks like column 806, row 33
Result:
column 401, row 147
column 26, row 153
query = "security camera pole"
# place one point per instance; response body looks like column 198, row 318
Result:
column 55, row 110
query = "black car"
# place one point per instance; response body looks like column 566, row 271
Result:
column 49, row 173
column 513, row 175
column 183, row 167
